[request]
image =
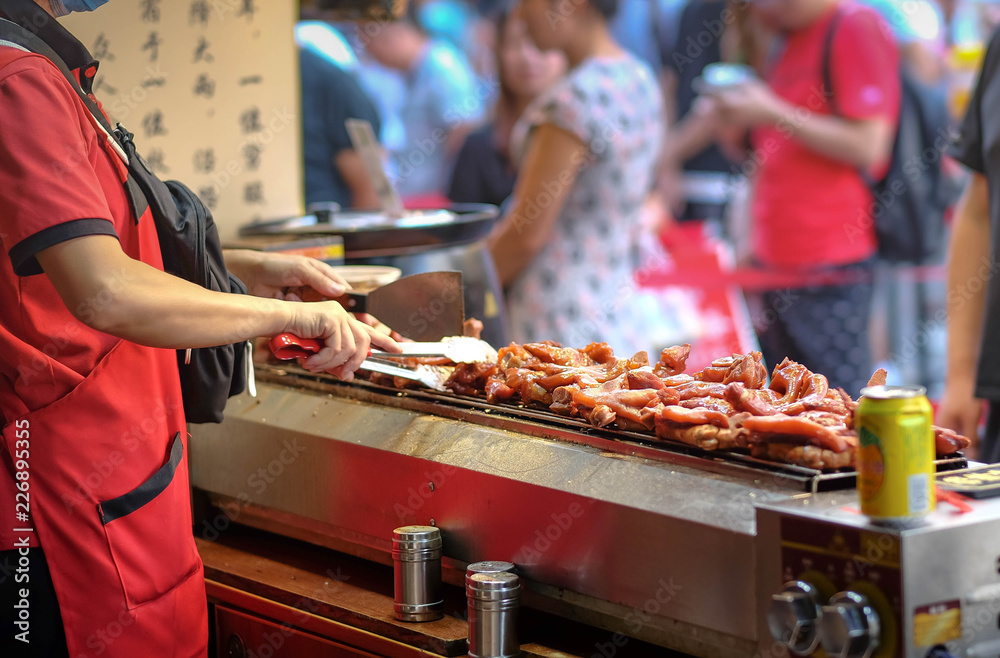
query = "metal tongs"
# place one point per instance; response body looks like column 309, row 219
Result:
column 459, row 349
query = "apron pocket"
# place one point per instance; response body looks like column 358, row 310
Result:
column 149, row 533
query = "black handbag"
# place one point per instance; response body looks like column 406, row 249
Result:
column 190, row 245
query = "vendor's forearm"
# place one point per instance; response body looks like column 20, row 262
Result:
column 966, row 300
column 145, row 312
column 111, row 292
column 239, row 263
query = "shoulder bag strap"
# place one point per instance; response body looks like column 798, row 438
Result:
column 828, row 89
column 13, row 35
column 17, row 36
column 831, row 32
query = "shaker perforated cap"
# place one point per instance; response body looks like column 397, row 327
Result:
column 491, row 566
column 416, row 538
column 493, row 586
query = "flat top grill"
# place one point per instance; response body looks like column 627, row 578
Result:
column 546, row 424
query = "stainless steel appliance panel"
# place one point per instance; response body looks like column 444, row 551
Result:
column 664, row 543
column 935, row 585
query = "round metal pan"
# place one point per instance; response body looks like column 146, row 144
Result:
column 375, row 232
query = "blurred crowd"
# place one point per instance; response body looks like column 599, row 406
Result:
column 445, row 83
column 795, row 127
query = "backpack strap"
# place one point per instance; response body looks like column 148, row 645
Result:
column 40, row 23
column 13, row 35
column 828, row 89
column 827, row 60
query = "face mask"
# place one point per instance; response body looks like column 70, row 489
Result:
column 63, row 7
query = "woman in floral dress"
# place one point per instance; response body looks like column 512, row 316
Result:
column 567, row 248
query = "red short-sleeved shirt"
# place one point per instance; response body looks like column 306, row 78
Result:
column 807, row 206
column 57, row 182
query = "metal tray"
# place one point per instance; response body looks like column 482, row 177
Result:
column 374, row 232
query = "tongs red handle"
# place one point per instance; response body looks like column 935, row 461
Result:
column 288, row 346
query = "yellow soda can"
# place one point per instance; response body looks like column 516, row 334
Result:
column 896, row 456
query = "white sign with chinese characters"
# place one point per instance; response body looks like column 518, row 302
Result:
column 211, row 90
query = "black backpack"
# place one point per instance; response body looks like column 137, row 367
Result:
column 911, row 200
column 191, row 249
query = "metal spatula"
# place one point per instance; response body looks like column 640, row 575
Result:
column 427, row 306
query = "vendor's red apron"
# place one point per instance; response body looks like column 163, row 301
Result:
column 109, row 499
column 110, row 505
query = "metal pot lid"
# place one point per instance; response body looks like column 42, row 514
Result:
column 376, row 232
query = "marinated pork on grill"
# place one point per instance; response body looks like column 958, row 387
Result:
column 796, row 418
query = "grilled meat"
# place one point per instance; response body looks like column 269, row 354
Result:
column 796, row 418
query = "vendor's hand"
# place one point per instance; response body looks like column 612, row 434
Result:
column 347, row 341
column 374, row 323
column 750, row 103
column 961, row 411
column 273, row 275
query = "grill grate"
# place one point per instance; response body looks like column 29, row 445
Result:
column 540, row 423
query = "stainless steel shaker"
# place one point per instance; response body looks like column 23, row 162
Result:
column 416, row 561
column 490, row 566
column 494, row 599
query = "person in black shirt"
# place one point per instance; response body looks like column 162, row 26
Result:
column 973, row 302
column 695, row 172
column 483, row 171
column 334, row 172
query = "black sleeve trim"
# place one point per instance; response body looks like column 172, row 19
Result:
column 147, row 491
column 22, row 255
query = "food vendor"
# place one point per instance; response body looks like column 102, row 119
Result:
column 90, row 401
